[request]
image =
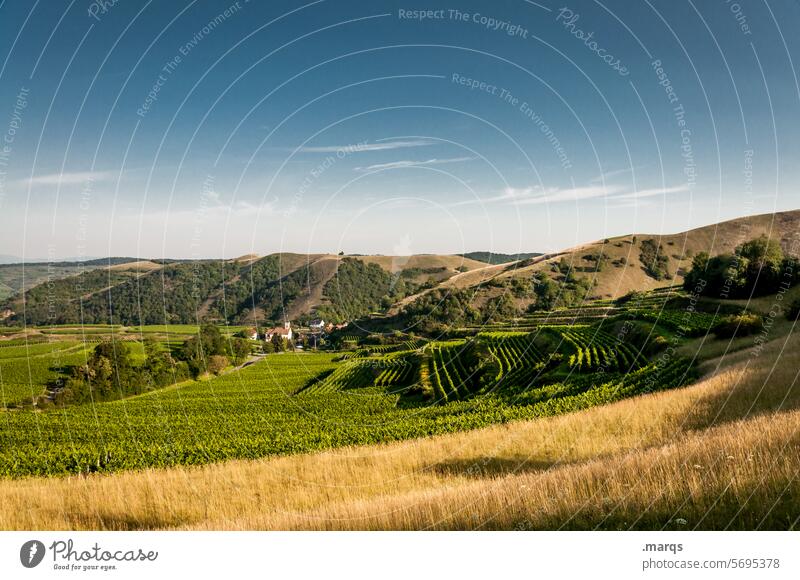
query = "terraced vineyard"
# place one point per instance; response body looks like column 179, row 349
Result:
column 561, row 396
column 299, row 402
column 399, row 372
column 451, row 373
column 348, row 375
column 253, row 413
column 595, row 350
column 684, row 321
column 581, row 315
column 518, row 360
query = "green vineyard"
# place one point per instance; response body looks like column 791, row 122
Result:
column 26, row 370
column 398, row 372
column 380, row 389
column 595, row 350
column 253, row 413
column 348, row 375
column 684, row 321
column 517, row 358
column 450, row 371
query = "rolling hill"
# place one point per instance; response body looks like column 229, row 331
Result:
column 618, row 278
column 16, row 276
column 263, row 290
column 623, row 269
column 249, row 290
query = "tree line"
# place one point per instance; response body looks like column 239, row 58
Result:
column 111, row 371
column 756, row 268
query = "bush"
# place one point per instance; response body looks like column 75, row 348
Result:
column 500, row 308
column 739, row 325
column 654, row 262
column 656, row 345
column 217, row 363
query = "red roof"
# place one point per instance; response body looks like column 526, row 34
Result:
column 279, row 330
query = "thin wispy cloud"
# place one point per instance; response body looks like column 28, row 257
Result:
column 509, row 194
column 556, row 195
column 408, row 163
column 653, row 192
column 363, row 147
column 536, row 195
column 78, row 177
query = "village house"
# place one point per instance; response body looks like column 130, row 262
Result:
column 317, row 324
column 284, row 331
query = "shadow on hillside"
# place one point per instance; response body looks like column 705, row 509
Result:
column 769, row 386
column 743, row 402
column 490, row 467
column 314, row 380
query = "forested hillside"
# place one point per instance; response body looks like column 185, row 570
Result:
column 495, row 258
column 253, row 291
column 258, row 291
column 16, row 277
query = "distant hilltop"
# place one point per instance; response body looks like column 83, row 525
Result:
column 256, row 290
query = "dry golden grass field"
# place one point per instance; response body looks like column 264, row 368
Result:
column 723, row 453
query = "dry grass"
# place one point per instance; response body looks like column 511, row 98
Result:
column 140, row 266
column 723, row 453
column 615, row 281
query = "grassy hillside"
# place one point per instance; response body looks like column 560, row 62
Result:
column 616, row 266
column 623, row 269
column 719, row 454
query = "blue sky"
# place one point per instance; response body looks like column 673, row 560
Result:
column 215, row 129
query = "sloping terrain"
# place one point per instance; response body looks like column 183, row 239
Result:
column 427, row 264
column 18, row 277
column 248, row 290
column 719, row 454
column 623, row 269
column 263, row 290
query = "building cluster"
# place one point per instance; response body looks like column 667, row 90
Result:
column 268, row 334
column 319, row 326
column 316, row 328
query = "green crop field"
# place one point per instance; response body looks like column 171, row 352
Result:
column 26, row 370
column 264, row 409
column 596, row 350
column 686, row 322
column 176, row 329
column 23, row 376
column 301, row 402
column 80, row 329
